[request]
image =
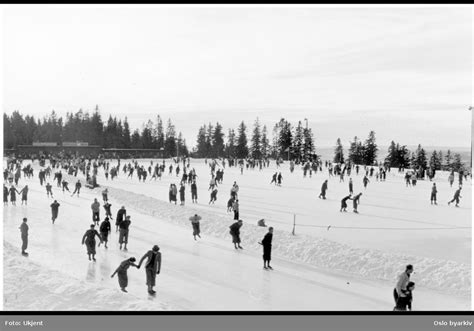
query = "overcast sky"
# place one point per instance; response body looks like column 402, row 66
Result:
column 404, row 72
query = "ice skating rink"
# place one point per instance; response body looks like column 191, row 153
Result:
column 352, row 266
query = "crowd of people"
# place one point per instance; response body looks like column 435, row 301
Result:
column 187, row 179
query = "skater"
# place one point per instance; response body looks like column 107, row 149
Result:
column 196, row 226
column 261, row 222
column 324, row 188
column 457, row 196
column 274, row 178
column 105, row 196
column 433, row 194
column 24, row 195
column 267, row 248
column 5, row 195
column 365, row 181
column 77, row 189
column 230, row 203
column 194, row 195
column 123, row 235
column 120, row 217
column 95, row 206
column 351, row 187
column 404, row 303
column 172, row 193
column 403, row 280
column 235, row 207
column 213, row 196
column 108, row 212
column 122, row 272
column 105, row 230
column 65, row 185
column 24, row 236
column 48, row 189
column 152, row 267
column 13, row 193
column 89, row 240
column 451, row 178
column 54, row 210
column 235, row 233
column 344, row 203
column 355, row 202
column 279, row 178
column 234, row 190
column 181, row 194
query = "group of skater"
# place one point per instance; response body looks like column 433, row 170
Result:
column 100, row 231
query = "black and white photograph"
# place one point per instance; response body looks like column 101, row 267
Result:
column 237, row 157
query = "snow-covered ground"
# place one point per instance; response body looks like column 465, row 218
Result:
column 351, row 266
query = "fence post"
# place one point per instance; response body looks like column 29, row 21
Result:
column 294, row 223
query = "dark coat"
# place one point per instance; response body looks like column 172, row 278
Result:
column 152, row 266
column 267, row 246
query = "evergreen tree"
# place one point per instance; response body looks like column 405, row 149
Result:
column 308, row 143
column 265, row 143
column 339, row 152
column 160, row 135
column 209, row 140
column 356, row 151
column 298, row 142
column 170, row 140
column 391, row 159
column 231, row 144
column 255, row 142
column 126, row 134
column 457, row 164
column 218, row 142
column 241, row 149
column 285, row 140
column 370, row 149
column 435, row 162
column 201, row 142
column 448, row 160
column 135, row 140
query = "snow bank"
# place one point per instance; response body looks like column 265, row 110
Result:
column 29, row 286
column 441, row 275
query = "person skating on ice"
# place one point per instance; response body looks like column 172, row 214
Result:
column 457, row 196
column 89, row 240
column 434, row 191
column 267, row 248
column 235, row 233
column 105, row 229
column 344, row 202
column 24, row 236
column 196, row 225
column 152, row 267
column 121, row 272
column 54, row 210
column 355, row 202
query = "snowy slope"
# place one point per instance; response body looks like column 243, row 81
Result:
column 313, row 272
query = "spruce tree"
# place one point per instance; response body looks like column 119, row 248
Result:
column 241, row 149
column 255, row 142
column 339, row 152
column 370, row 149
column 218, row 142
column 265, row 143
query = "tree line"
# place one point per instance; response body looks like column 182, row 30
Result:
column 398, row 156
column 293, row 142
column 90, row 128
